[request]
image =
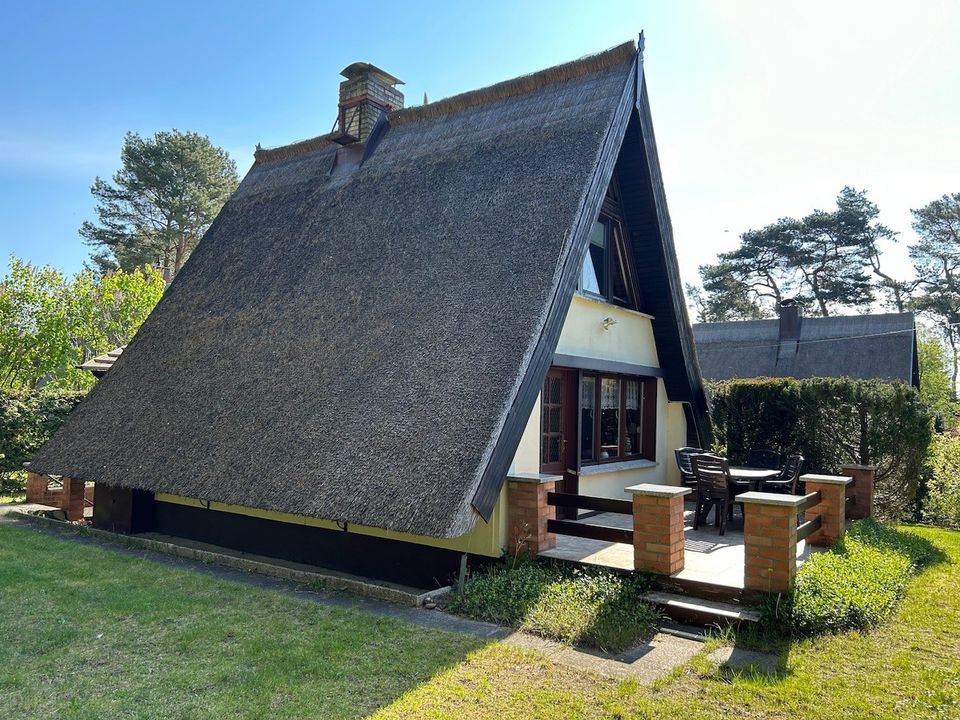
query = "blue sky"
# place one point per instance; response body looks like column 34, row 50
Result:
column 762, row 109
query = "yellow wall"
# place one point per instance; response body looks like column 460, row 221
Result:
column 487, row 539
column 629, row 340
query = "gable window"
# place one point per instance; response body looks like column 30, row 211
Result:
column 625, row 427
column 606, row 268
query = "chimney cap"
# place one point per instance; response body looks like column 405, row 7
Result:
column 355, row 70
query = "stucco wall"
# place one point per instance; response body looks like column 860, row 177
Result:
column 629, row 340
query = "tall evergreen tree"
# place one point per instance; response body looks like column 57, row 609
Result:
column 824, row 261
column 167, row 192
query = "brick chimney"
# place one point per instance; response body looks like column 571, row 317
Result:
column 366, row 93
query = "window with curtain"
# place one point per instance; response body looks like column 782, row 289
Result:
column 617, row 417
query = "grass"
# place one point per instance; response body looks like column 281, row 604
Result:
column 88, row 633
column 584, row 606
column 906, row 668
column 855, row 586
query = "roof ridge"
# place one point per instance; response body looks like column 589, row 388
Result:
column 586, row 65
column 261, row 154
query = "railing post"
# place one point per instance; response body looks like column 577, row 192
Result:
column 658, row 527
column 72, row 499
column 831, row 508
column 528, row 512
column 770, row 540
column 861, row 490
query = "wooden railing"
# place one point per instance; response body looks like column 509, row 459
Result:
column 591, row 531
column 588, row 502
column 806, row 529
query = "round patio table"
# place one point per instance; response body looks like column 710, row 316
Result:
column 752, row 477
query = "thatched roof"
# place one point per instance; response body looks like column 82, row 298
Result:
column 367, row 346
column 864, row 347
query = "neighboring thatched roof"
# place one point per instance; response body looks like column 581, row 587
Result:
column 865, row 347
column 101, row 363
column 367, row 346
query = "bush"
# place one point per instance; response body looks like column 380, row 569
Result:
column 831, row 421
column 589, row 606
column 854, row 586
column 940, row 504
column 27, row 420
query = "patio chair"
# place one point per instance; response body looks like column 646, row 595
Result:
column 686, row 469
column 713, row 488
column 789, row 479
column 767, row 459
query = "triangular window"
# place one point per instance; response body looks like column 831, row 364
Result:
column 606, row 271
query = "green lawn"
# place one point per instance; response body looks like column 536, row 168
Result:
column 89, row 633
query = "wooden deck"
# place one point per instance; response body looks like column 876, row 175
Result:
column 709, row 558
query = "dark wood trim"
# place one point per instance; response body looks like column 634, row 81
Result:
column 419, row 566
column 590, row 531
column 648, row 441
column 809, row 501
column 600, row 365
column 505, row 446
column 588, row 502
column 808, row 528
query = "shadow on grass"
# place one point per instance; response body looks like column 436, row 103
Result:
column 856, row 586
column 120, row 632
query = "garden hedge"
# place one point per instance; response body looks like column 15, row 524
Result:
column 831, row 422
column 27, row 419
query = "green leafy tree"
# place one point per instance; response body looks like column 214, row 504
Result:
column 50, row 323
column 936, row 262
column 166, row 194
column 824, row 261
column 936, row 388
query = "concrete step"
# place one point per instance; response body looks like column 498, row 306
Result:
column 698, row 589
column 683, row 608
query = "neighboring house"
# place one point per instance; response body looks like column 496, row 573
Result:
column 864, row 347
column 99, row 365
column 386, row 322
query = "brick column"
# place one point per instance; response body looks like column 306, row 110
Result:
column 864, row 477
column 73, row 494
column 831, row 508
column 528, row 512
column 658, row 528
column 36, row 488
column 770, row 540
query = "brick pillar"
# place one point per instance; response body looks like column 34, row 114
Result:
column 73, row 495
column 658, row 528
column 528, row 512
column 770, row 540
column 864, row 477
column 831, row 508
column 36, row 488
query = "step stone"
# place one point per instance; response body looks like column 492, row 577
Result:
column 706, row 612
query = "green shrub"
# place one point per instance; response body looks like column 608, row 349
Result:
column 27, row 420
column 830, row 421
column 855, row 585
column 582, row 606
column 940, row 504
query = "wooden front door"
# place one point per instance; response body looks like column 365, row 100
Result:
column 558, row 431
